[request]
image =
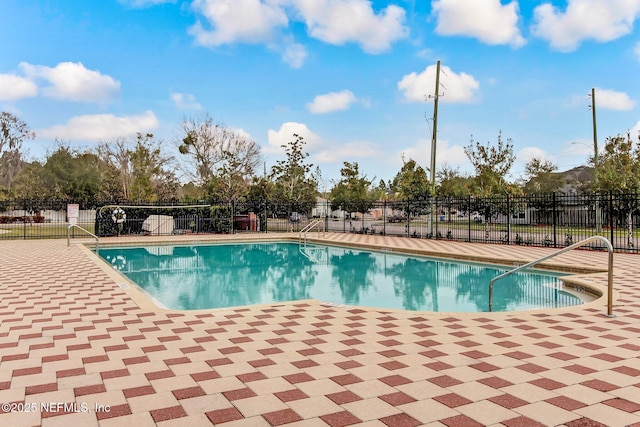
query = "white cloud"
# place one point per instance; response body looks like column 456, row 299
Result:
column 351, row 150
column 284, row 135
column 452, row 155
column 14, row 87
column 570, row 154
column 331, row 21
column 242, row 133
column 294, row 54
column 342, row 21
column 526, row 154
column 612, row 100
column 72, row 81
column 185, row 101
column 231, row 21
column 101, row 127
column 599, row 20
column 426, row 53
column 319, row 150
column 578, row 148
column 330, row 102
column 635, row 131
column 487, row 20
column 457, row 88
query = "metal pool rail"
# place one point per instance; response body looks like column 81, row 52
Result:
column 86, row 231
column 568, row 248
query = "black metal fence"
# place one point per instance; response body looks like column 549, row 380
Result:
column 550, row 220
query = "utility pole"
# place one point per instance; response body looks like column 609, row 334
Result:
column 433, row 143
column 435, row 131
column 595, row 161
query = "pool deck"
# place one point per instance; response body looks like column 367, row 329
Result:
column 69, row 333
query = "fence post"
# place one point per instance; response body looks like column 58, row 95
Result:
column 384, row 217
column 326, row 216
column 408, row 218
column 611, row 222
column 344, row 220
column 233, row 214
column 555, row 214
column 469, row 219
column 24, row 220
column 508, row 237
column 436, row 217
column 265, row 215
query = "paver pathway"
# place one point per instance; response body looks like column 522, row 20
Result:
column 75, row 349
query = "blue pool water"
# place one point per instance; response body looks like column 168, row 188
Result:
column 229, row 275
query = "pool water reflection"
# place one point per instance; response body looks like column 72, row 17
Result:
column 229, row 275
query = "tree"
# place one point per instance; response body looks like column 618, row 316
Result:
column 455, row 188
column 151, row 178
column 492, row 164
column 294, row 183
column 411, row 182
column 220, row 158
column 262, row 188
column 540, row 177
column 412, row 185
column 72, row 175
column 319, row 180
column 541, row 180
column 452, row 184
column 352, row 193
column 380, row 191
column 618, row 167
column 138, row 169
column 13, row 132
column 618, row 172
column 233, row 176
column 116, row 155
column 29, row 184
column 11, row 164
column 191, row 192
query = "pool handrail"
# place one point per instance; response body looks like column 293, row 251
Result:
column 302, row 235
column 568, row 248
column 86, row 231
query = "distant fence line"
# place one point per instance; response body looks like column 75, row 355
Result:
column 550, row 220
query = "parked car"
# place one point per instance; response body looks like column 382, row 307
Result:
column 295, row 217
column 397, row 218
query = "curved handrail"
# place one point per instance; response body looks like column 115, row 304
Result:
column 86, row 231
column 302, row 235
column 568, row 248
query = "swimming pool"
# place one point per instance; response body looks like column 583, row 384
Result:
column 230, row 275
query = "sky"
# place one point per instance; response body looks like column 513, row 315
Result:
column 355, row 78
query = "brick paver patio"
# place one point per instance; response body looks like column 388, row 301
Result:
column 77, row 349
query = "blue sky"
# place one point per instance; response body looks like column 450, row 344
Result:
column 351, row 76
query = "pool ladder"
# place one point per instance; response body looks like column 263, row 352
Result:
column 302, row 235
column 563, row 250
column 86, row 231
